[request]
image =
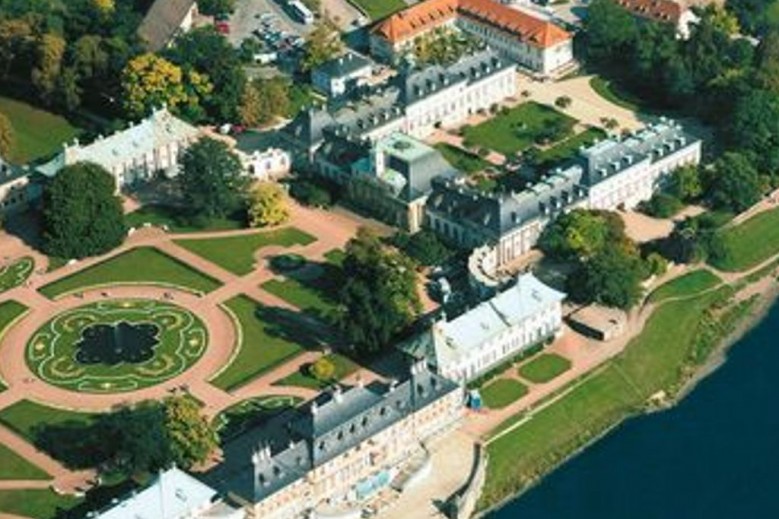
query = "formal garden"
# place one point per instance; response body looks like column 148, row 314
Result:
column 15, row 273
column 118, row 345
column 246, row 414
column 544, row 368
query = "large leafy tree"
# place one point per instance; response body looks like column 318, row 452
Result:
column 379, row 298
column 612, row 278
column 734, row 183
column 45, row 74
column 685, row 183
column 263, row 100
column 207, row 52
column 191, row 436
column 610, row 30
column 268, row 205
column 581, row 234
column 82, row 215
column 754, row 129
column 322, row 44
column 211, row 181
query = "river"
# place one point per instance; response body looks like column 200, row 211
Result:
column 714, row 455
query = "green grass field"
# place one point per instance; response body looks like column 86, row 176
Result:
column 37, row 133
column 544, row 368
column 690, row 283
column 161, row 215
column 378, row 9
column 236, row 253
column 262, row 347
column 502, row 392
column 460, row 159
column 141, row 265
column 612, row 93
column 13, row 466
column 26, row 416
column 39, row 504
column 568, row 148
column 653, row 361
column 516, row 130
column 751, row 242
column 313, row 292
column 16, row 273
column 343, row 368
column 9, row 311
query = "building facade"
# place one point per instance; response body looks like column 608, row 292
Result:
column 153, row 146
column 535, row 44
column 524, row 315
column 340, row 75
column 17, row 190
column 341, row 448
column 266, row 165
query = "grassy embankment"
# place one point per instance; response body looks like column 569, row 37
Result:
column 37, row 133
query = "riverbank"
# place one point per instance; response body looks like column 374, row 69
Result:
column 648, row 376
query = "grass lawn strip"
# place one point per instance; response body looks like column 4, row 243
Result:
column 13, row 466
column 751, row 242
column 298, row 294
column 10, row 312
column 257, row 350
column 516, row 130
column 25, row 416
column 568, row 148
column 16, row 273
column 502, row 392
column 462, row 160
column 170, row 217
column 144, row 265
column 236, row 253
column 611, row 92
column 182, row 340
column 343, row 368
column 688, row 284
column 37, row 133
column 39, row 504
column 378, row 9
column 544, row 368
column 652, row 362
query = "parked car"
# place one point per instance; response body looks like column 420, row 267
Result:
column 222, row 27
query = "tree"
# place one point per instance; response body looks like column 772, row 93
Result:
column 754, row 128
column 16, row 36
column 379, row 297
column 211, row 181
column 612, row 278
column 563, row 102
column 267, row 205
column 208, row 53
column 581, row 234
column 610, row 29
column 656, row 264
column 424, row 246
column 662, row 205
column 137, row 436
column 263, row 100
column 7, row 137
column 82, row 215
column 150, row 82
column 734, row 183
column 45, row 73
column 322, row 44
column 216, row 7
column 308, row 193
column 322, row 369
column 192, row 437
column 685, row 183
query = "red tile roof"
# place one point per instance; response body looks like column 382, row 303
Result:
column 659, row 10
column 428, row 14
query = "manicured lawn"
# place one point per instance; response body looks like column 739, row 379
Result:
column 26, row 416
column 15, row 273
column 544, row 368
column 686, row 285
column 378, row 9
column 343, row 368
column 236, row 253
column 314, row 292
column 246, row 414
column 37, row 133
column 517, row 129
column 567, row 149
column 460, row 159
column 39, row 504
column 502, row 392
column 267, row 341
column 13, row 466
column 612, row 93
column 751, row 242
column 9, row 311
column 141, row 265
column 335, row 257
column 161, row 215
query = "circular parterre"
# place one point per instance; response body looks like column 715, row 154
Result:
column 116, row 345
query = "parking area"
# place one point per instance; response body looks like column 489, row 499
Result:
column 264, row 19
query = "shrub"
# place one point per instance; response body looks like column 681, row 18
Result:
column 322, row 370
column 483, row 152
column 311, row 194
column 662, row 205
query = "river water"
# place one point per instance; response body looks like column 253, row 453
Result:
column 715, row 455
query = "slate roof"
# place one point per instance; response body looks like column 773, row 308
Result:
column 162, row 21
column 10, row 172
column 426, row 15
column 323, row 429
column 343, row 65
column 445, row 342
